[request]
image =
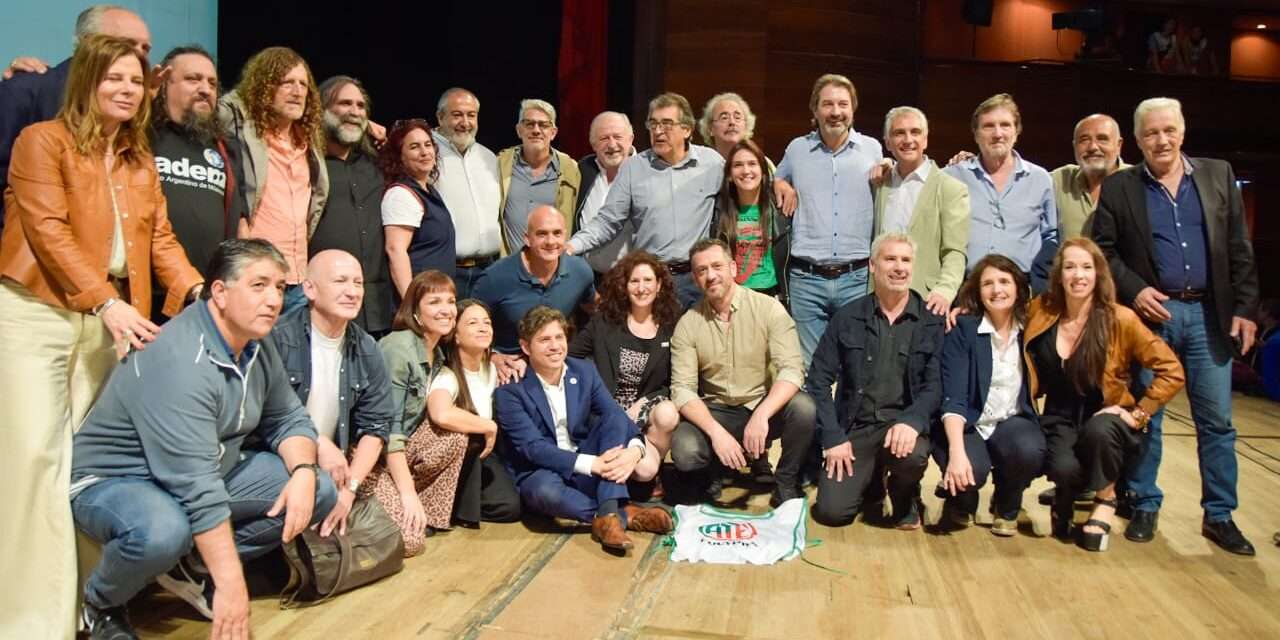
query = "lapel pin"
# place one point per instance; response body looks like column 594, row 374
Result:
column 573, row 381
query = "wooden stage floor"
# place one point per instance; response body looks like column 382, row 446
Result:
column 507, row 582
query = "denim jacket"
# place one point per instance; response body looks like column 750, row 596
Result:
column 406, row 356
column 842, row 357
column 364, row 406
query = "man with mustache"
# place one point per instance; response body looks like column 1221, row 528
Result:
column 352, row 219
column 831, row 230
column 200, row 171
column 1011, row 201
column 1076, row 187
column 1173, row 229
column 533, row 173
column 726, row 120
column 35, row 94
column 930, row 206
column 468, row 184
column 736, row 374
column 611, row 138
column 882, row 353
column 198, row 442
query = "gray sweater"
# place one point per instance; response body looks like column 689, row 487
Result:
column 179, row 412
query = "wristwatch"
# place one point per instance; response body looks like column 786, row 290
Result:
column 353, row 485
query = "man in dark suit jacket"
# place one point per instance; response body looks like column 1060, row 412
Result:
column 571, row 448
column 1173, row 231
column 612, row 138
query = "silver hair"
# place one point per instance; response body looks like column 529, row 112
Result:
column 89, row 22
column 704, row 123
column 890, row 237
column 232, row 256
column 591, row 131
column 540, row 105
column 895, row 112
column 444, row 99
column 1156, row 104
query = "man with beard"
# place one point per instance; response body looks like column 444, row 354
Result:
column 468, row 184
column 199, row 171
column 1076, row 187
column 352, row 220
column 831, row 234
column 611, row 138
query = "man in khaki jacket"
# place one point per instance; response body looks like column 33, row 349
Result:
column 532, row 174
column 920, row 200
column 1096, row 141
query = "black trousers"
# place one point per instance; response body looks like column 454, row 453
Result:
column 1013, row 456
column 691, row 449
column 1087, row 457
column 838, row 502
column 485, row 491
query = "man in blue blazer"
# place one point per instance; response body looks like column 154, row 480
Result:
column 570, row 447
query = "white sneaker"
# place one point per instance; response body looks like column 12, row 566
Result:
column 182, row 582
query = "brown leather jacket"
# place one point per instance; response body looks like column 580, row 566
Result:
column 1131, row 343
column 59, row 226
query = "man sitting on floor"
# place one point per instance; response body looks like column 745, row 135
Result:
column 163, row 457
column 571, row 447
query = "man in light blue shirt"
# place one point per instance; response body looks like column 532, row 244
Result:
column 831, row 232
column 667, row 192
column 1012, row 206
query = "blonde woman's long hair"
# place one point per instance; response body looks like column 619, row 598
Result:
column 80, row 113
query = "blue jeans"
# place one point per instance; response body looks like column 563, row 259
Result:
column 293, row 298
column 144, row 531
column 464, row 279
column 814, row 299
column 1200, row 345
column 687, row 292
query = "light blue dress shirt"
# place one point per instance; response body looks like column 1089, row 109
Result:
column 1014, row 223
column 836, row 217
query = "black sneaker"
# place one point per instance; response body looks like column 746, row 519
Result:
column 762, row 471
column 192, row 586
column 1227, row 535
column 111, row 623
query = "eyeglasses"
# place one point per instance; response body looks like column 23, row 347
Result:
column 537, row 124
column 663, row 125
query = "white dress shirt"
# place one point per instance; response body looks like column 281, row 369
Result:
column 903, row 194
column 603, row 259
column 560, row 414
column 468, row 185
column 1006, row 379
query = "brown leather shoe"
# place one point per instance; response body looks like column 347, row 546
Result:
column 648, row 519
column 608, row 531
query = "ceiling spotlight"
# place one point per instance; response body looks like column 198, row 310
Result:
column 1262, row 26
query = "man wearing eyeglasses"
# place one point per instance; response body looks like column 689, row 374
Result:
column 533, row 174
column 1011, row 201
column 667, row 192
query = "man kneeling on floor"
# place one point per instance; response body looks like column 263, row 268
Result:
column 199, row 438
column 882, row 351
column 571, row 447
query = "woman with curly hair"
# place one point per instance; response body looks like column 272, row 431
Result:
column 275, row 113
column 629, row 339
column 1081, row 352
column 417, row 224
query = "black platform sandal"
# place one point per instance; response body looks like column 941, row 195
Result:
column 1096, row 541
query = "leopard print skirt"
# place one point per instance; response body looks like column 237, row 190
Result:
column 435, row 459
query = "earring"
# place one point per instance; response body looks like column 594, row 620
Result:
column 417, row 319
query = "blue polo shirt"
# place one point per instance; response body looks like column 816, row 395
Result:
column 510, row 291
column 1177, row 232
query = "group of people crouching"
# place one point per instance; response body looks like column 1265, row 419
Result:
column 236, row 429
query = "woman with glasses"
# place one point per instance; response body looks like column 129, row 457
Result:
column 418, row 227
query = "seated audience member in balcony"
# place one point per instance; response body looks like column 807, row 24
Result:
column 163, row 464
column 989, row 424
column 571, row 447
column 1164, row 49
column 337, row 371
column 419, row 475
column 461, row 399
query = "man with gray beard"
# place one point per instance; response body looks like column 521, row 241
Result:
column 200, row 172
column 1076, row 187
column 468, row 184
column 352, row 219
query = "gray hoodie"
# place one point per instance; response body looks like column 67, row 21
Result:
column 179, row 412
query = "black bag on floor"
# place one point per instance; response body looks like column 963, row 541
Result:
column 321, row 568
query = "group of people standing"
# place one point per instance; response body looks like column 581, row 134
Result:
column 225, row 319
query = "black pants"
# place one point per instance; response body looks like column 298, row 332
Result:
column 838, row 502
column 486, row 491
column 691, row 449
column 1087, row 457
column 1014, row 456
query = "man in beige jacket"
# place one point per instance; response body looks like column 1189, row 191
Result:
column 532, row 174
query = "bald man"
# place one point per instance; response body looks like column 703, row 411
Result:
column 338, row 373
column 538, row 275
column 1096, row 140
